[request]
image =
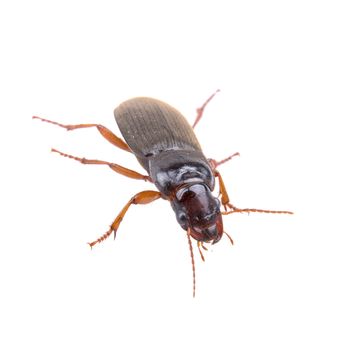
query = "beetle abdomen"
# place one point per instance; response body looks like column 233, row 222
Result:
column 151, row 126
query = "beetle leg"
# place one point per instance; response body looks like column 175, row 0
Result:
column 143, row 197
column 200, row 110
column 214, row 163
column 225, row 200
column 115, row 167
column 106, row 133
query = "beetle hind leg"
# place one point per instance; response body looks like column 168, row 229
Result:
column 106, row 133
column 200, row 110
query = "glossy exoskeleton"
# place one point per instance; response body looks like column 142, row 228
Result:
column 167, row 148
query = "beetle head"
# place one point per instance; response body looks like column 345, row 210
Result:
column 196, row 208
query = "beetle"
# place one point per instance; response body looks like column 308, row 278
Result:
column 166, row 146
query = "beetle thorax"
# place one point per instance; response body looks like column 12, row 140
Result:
column 173, row 169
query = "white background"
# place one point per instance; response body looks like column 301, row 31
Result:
column 283, row 68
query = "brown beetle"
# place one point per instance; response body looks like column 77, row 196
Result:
column 167, row 148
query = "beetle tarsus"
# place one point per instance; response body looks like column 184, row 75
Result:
column 143, row 197
column 101, row 239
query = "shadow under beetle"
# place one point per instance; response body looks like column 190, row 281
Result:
column 167, row 148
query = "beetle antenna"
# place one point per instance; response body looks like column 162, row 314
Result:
column 252, row 210
column 192, row 258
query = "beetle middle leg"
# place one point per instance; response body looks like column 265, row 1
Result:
column 143, row 197
column 215, row 163
column 106, row 133
column 115, row 167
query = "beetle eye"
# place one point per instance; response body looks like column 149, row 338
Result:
column 182, row 218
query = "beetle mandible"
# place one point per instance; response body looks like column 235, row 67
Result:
column 166, row 146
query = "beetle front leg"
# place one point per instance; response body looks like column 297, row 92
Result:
column 106, row 133
column 143, row 197
column 225, row 200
